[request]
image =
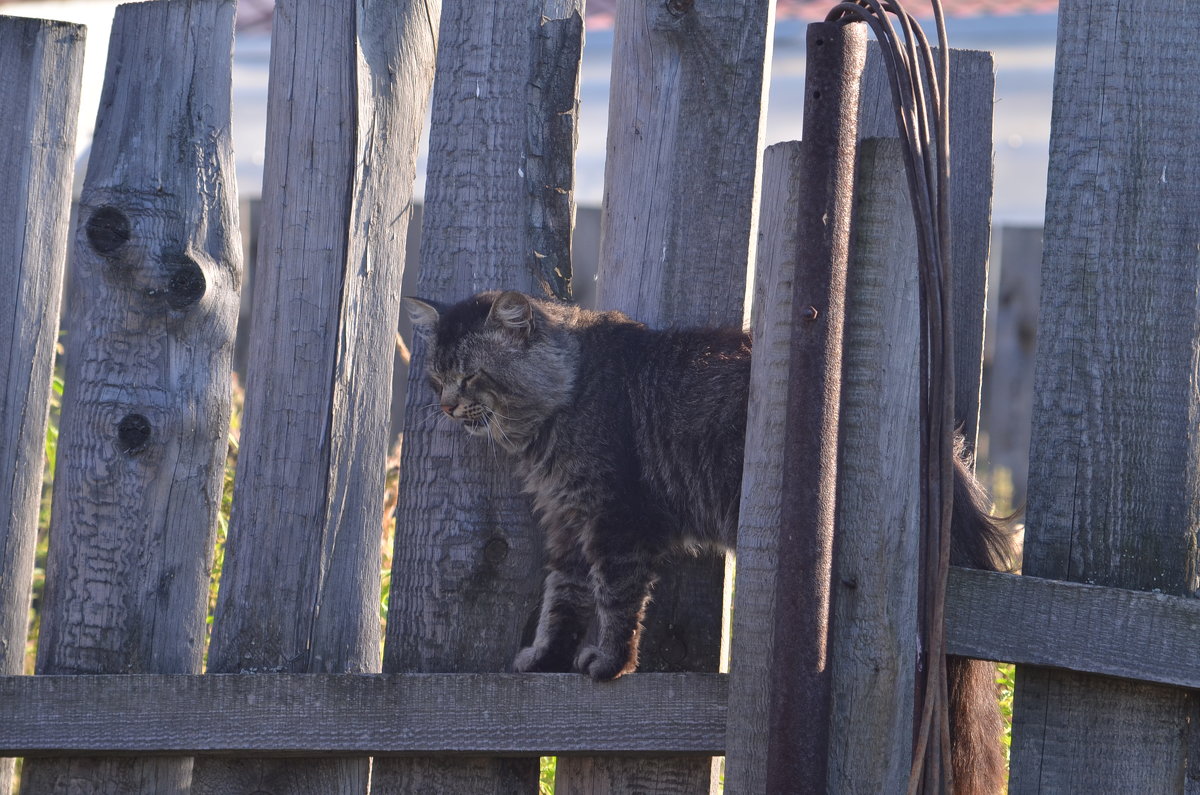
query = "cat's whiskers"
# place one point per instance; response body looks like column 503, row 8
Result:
column 433, row 414
column 498, row 426
column 487, row 424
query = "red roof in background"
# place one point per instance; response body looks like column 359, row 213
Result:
column 257, row 13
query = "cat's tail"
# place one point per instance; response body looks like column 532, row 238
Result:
column 978, row 541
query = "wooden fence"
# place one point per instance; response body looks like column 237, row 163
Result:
column 296, row 696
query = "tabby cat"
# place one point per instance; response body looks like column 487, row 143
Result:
column 629, row 441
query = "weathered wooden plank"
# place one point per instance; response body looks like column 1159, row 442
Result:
column 797, row 753
column 42, row 62
column 145, row 413
column 1010, row 380
column 467, row 568
column 1071, row 626
column 762, row 471
column 1115, row 453
column 972, row 92
column 1088, row 628
column 334, row 714
column 873, row 637
column 552, row 125
column 299, row 589
column 686, row 114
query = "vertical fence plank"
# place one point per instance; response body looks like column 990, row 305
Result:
column 1115, row 456
column 42, row 62
column 797, row 753
column 466, row 574
column 874, row 636
column 972, row 92
column 684, row 142
column 145, row 413
column 762, row 474
column 300, row 586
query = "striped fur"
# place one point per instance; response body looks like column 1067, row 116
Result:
column 630, row 441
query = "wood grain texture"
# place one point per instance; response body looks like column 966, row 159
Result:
column 336, row 714
column 873, row 638
column 758, row 574
column 686, row 113
column 1054, row 624
column 1072, row 626
column 467, row 568
column 801, row 703
column 42, row 62
column 551, row 124
column 972, row 93
column 299, row 590
column 1115, row 459
column 145, row 414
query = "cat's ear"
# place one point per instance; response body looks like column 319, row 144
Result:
column 423, row 314
column 512, row 312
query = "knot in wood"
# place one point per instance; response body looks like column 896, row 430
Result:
column 495, row 551
column 679, row 7
column 133, row 433
column 107, row 230
column 186, row 285
column 673, row 649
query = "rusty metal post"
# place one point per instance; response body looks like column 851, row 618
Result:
column 797, row 757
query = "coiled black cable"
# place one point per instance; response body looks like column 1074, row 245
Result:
column 920, row 94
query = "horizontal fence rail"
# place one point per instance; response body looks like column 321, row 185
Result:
column 383, row 714
column 1025, row 620
column 1141, row 635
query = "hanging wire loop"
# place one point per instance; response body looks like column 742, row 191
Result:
column 920, row 89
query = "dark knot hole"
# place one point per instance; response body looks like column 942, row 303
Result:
column 133, row 433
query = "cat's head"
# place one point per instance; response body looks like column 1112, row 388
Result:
column 500, row 363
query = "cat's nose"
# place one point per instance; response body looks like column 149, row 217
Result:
column 449, row 409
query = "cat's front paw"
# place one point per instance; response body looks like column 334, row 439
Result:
column 539, row 659
column 602, row 666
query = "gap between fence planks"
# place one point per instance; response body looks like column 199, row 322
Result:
column 42, row 63
column 152, row 310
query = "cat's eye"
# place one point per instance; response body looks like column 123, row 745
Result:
column 435, row 382
column 473, row 379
